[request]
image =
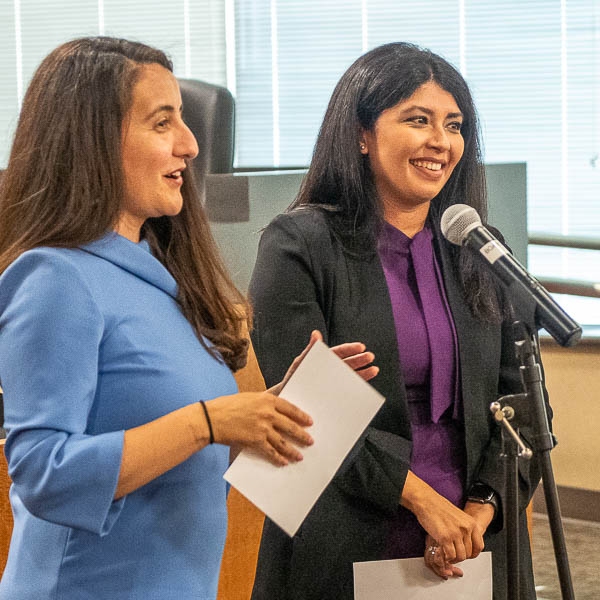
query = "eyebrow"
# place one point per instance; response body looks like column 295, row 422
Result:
column 429, row 112
column 164, row 108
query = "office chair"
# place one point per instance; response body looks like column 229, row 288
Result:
column 209, row 111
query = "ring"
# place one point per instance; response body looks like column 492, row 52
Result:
column 432, row 550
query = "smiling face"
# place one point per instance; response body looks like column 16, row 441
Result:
column 155, row 144
column 413, row 149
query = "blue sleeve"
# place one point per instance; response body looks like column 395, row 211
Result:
column 50, row 334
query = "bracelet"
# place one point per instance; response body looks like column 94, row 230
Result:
column 211, row 437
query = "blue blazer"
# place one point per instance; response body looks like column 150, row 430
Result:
column 92, row 342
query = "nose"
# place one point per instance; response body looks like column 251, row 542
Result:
column 439, row 138
column 186, row 145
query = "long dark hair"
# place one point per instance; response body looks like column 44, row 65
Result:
column 64, row 183
column 340, row 180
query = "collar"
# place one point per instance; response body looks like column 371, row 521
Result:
column 133, row 258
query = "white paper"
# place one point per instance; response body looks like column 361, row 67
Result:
column 410, row 579
column 341, row 405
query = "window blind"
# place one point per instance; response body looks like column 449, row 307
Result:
column 534, row 68
column 192, row 32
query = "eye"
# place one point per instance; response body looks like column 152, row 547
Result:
column 162, row 124
column 455, row 126
column 418, row 120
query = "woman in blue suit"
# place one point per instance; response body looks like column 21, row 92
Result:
column 119, row 332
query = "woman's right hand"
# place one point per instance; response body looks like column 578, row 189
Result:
column 261, row 422
column 457, row 533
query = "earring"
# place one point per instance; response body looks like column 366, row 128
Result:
column 362, row 146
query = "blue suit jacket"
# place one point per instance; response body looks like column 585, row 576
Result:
column 92, row 342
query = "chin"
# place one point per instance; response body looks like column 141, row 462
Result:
column 173, row 208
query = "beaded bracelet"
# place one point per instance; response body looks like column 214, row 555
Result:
column 211, row 438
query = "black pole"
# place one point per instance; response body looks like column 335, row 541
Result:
column 543, row 442
column 556, row 529
column 511, row 516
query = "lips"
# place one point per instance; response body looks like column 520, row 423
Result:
column 175, row 177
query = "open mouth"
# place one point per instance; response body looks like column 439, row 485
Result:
column 174, row 175
column 426, row 164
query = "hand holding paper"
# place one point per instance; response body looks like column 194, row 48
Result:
column 352, row 353
column 341, row 404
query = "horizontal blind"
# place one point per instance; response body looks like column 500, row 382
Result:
column 150, row 22
column 435, row 24
column 255, row 101
column 534, row 68
column 9, row 89
column 191, row 32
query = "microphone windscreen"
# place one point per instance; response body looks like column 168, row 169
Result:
column 457, row 221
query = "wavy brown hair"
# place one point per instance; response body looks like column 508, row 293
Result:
column 64, row 183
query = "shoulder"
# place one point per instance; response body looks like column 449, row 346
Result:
column 308, row 225
column 304, row 218
column 44, row 261
column 49, row 275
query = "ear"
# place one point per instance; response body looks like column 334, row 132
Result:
column 362, row 144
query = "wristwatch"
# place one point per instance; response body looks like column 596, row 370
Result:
column 483, row 494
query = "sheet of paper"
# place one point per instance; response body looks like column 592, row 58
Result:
column 410, row 579
column 341, row 405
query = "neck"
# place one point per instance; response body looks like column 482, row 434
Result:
column 129, row 228
column 409, row 221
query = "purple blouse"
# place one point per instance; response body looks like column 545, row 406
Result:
column 427, row 343
column 428, row 354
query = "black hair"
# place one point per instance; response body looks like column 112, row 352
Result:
column 340, row 180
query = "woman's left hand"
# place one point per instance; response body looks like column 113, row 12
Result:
column 434, row 553
column 436, row 561
column 352, row 353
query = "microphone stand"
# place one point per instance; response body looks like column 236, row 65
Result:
column 510, row 408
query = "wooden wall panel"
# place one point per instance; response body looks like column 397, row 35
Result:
column 245, row 520
column 6, row 518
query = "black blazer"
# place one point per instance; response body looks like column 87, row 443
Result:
column 305, row 280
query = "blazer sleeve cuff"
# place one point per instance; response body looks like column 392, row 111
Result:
column 376, row 469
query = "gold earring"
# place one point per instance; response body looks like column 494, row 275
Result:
column 363, row 146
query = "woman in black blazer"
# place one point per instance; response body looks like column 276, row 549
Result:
column 359, row 255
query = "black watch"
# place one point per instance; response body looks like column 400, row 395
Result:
column 483, row 494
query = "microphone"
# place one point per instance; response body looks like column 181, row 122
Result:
column 462, row 226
